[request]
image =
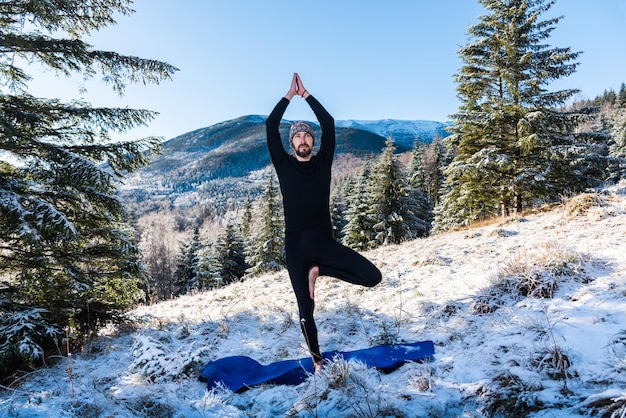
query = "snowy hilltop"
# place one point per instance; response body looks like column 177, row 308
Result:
column 528, row 317
column 403, row 132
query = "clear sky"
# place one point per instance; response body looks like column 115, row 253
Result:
column 363, row 59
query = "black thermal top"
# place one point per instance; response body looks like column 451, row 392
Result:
column 305, row 186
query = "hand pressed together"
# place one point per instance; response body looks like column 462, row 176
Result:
column 296, row 88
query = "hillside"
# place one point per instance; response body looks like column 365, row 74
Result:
column 527, row 314
column 220, row 164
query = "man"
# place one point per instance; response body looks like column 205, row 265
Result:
column 305, row 181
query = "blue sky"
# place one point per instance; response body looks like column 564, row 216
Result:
column 363, row 59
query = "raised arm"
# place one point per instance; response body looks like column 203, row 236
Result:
column 327, row 122
column 272, row 124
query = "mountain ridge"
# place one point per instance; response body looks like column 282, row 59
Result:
column 218, row 163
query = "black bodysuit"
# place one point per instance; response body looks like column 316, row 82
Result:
column 305, row 187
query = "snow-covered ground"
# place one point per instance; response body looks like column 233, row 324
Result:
column 560, row 352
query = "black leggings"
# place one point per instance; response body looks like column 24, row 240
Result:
column 305, row 249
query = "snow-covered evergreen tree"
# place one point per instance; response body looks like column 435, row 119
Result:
column 230, row 255
column 246, row 220
column 187, row 263
column 422, row 179
column 358, row 232
column 208, row 268
column 436, row 158
column 337, row 214
column 621, row 96
column 513, row 144
column 394, row 208
column 266, row 251
column 416, row 174
column 613, row 122
column 65, row 247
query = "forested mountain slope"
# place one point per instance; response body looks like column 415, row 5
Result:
column 219, row 163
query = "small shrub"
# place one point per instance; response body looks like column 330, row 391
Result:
column 387, row 336
column 86, row 410
column 155, row 361
column 150, row 357
column 422, row 379
column 580, row 204
column 554, row 363
column 509, row 395
column 500, row 232
column 24, row 337
column 337, row 373
column 536, row 277
column 150, row 406
column 617, row 352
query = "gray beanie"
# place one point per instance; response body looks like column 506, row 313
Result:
column 300, row 127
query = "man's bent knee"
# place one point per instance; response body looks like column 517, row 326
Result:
column 375, row 279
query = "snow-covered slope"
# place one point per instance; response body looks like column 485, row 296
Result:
column 560, row 352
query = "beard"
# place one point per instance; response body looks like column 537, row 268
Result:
column 303, row 151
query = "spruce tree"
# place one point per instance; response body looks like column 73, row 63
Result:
column 187, row 262
column 417, row 166
column 358, row 232
column 614, row 124
column 230, row 255
column 208, row 268
column 65, row 247
column 337, row 214
column 435, row 159
column 267, row 249
column 246, row 220
column 420, row 180
column 393, row 206
column 621, row 95
column 512, row 141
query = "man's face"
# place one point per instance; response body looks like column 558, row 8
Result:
column 302, row 143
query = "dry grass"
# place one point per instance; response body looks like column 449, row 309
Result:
column 581, row 204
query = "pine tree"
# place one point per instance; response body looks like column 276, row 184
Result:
column 421, row 180
column 337, row 214
column 358, row 232
column 435, row 159
column 417, row 166
column 393, row 206
column 230, row 255
column 246, row 220
column 208, row 268
column 513, row 144
column 187, row 262
column 65, row 247
column 621, row 96
column 613, row 122
column 267, row 249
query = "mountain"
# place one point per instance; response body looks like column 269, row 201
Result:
column 222, row 163
column 403, row 132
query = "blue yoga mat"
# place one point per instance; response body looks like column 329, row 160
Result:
column 239, row 373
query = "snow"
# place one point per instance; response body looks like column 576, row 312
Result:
column 403, row 132
column 496, row 352
column 384, row 127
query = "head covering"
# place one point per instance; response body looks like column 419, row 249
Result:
column 300, row 127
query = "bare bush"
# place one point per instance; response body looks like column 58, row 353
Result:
column 536, row 277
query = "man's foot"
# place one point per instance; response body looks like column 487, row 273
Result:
column 314, row 273
column 318, row 366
